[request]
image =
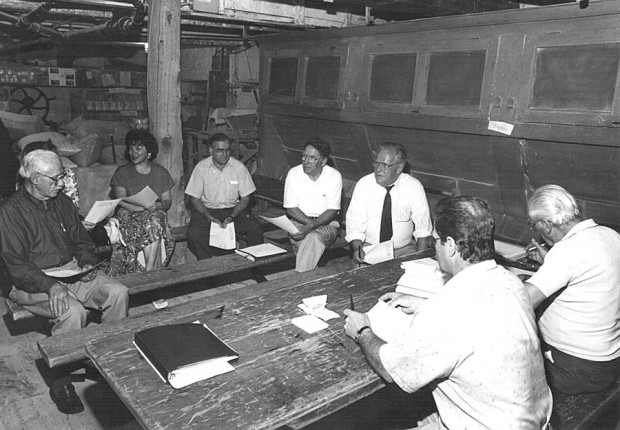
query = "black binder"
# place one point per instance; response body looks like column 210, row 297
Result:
column 184, row 353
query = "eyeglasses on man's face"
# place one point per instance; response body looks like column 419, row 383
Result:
column 221, row 151
column 310, row 158
column 59, row 177
column 532, row 224
column 378, row 165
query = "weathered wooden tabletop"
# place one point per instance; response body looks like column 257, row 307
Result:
column 284, row 376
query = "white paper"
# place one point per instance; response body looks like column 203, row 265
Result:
column 309, row 323
column 501, row 127
column 422, row 267
column 284, row 223
column 188, row 375
column 262, row 250
column 322, row 313
column 388, row 323
column 100, row 210
column 510, row 251
column 378, row 253
column 315, row 302
column 223, row 238
column 143, row 199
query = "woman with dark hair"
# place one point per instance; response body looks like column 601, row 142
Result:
column 142, row 229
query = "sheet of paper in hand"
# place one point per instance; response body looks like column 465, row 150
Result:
column 144, row 199
column 282, row 222
column 223, row 238
column 379, row 252
column 100, row 210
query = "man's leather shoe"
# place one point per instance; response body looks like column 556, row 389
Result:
column 66, row 399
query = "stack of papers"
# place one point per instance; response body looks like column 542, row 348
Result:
column 316, row 314
column 422, row 278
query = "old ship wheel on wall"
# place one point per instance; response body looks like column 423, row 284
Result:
column 31, row 99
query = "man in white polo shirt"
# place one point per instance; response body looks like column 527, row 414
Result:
column 312, row 193
column 219, row 191
column 577, row 292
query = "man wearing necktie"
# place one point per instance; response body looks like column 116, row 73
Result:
column 388, row 205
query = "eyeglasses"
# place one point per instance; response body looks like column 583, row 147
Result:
column 532, row 224
column 222, row 151
column 59, row 177
column 379, row 165
column 309, row 158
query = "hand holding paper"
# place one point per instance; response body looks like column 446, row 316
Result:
column 378, row 253
column 284, row 223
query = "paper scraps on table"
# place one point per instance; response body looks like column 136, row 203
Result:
column 309, row 323
column 316, row 306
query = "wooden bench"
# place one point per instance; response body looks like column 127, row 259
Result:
column 580, row 411
column 176, row 275
column 70, row 347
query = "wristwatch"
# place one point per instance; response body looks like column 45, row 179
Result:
column 359, row 334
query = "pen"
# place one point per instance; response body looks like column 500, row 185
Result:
column 352, row 305
column 533, row 247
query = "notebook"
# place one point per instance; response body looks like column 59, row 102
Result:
column 182, row 354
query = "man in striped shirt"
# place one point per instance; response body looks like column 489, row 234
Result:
column 410, row 216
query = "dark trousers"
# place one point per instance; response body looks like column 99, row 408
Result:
column 573, row 375
column 199, row 229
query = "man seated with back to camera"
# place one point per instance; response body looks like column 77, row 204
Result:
column 40, row 230
column 577, row 293
column 475, row 343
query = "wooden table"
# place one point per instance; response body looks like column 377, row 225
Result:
column 284, row 376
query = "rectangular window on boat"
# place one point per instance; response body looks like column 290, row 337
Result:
column 455, row 78
column 392, row 76
column 283, row 76
column 322, row 77
column 576, row 78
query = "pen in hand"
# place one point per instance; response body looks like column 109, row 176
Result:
column 352, row 305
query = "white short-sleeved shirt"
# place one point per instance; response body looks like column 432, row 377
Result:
column 410, row 213
column 313, row 197
column 477, row 340
column 220, row 188
column 584, row 319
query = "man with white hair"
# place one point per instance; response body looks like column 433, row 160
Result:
column 40, row 232
column 578, row 286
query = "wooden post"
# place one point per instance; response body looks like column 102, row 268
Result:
column 164, row 95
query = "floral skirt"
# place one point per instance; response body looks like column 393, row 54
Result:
column 138, row 229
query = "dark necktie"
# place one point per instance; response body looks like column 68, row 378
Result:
column 386, row 217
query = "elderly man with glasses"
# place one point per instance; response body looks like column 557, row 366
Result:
column 577, row 293
column 219, row 191
column 388, row 205
column 312, row 194
column 40, row 233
